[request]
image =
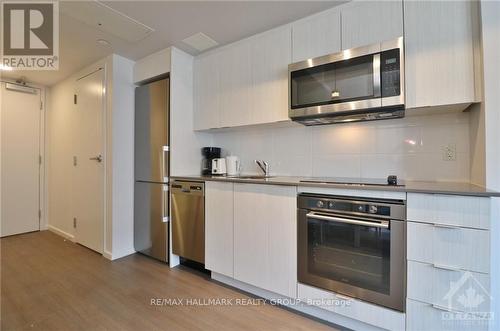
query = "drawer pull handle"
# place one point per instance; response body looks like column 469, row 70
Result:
column 451, row 227
column 444, row 308
column 445, row 267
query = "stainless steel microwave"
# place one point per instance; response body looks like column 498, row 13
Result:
column 358, row 84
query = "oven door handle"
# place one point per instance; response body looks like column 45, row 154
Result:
column 313, row 215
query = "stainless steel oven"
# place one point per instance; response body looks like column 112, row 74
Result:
column 353, row 246
column 364, row 83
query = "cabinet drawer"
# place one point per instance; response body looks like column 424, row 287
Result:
column 472, row 212
column 425, row 317
column 460, row 248
column 372, row 314
column 457, row 290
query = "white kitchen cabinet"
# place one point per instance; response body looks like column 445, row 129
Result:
column 206, row 92
column 219, row 227
column 444, row 287
column 265, row 237
column 235, row 84
column 437, row 318
column 316, row 35
column 270, row 56
column 448, row 251
column 355, row 309
column 439, row 41
column 455, row 247
column 453, row 210
column 369, row 22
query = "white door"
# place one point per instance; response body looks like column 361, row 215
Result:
column 88, row 183
column 20, row 168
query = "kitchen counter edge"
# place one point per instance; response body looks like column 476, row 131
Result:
column 450, row 188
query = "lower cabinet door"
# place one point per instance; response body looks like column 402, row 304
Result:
column 265, row 237
column 422, row 316
column 456, row 290
column 219, row 227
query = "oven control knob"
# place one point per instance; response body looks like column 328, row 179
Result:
column 320, row 204
column 373, row 209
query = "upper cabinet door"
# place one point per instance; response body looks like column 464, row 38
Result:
column 235, row 84
column 316, row 35
column 369, row 22
column 439, row 52
column 270, row 56
column 206, row 92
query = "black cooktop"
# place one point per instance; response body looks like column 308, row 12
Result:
column 353, row 181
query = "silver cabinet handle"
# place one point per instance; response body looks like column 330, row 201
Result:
column 383, row 224
column 164, row 149
column 97, row 158
column 445, row 267
column 444, row 308
column 444, row 226
column 164, row 204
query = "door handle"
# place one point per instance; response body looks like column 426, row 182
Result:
column 165, row 204
column 164, row 174
column 97, row 158
column 383, row 224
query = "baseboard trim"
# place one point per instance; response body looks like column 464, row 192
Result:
column 61, row 233
column 107, row 255
column 123, row 253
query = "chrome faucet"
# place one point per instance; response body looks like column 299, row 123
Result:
column 264, row 166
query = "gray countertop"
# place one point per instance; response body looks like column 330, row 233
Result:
column 454, row 188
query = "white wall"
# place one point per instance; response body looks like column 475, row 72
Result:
column 410, row 148
column 490, row 16
column 185, row 143
column 122, row 151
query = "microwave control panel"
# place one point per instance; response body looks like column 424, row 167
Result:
column 390, row 73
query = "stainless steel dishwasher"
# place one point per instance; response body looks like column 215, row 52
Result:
column 188, row 220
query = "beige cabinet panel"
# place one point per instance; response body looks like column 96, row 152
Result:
column 235, row 84
column 439, row 52
column 316, row 35
column 270, row 56
column 463, row 211
column 369, row 22
column 206, row 92
column 219, row 227
column 265, row 237
column 455, row 247
column 421, row 316
column 443, row 287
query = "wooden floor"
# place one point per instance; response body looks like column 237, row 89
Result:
column 48, row 283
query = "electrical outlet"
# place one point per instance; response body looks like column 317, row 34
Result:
column 450, row 152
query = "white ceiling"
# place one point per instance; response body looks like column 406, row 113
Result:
column 173, row 21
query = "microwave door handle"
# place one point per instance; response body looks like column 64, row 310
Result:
column 377, row 83
column 383, row 224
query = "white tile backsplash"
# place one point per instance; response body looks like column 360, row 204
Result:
column 411, row 148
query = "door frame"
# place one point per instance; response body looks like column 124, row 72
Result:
column 42, row 148
column 106, row 179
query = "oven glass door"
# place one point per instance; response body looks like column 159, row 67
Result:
column 337, row 82
column 357, row 257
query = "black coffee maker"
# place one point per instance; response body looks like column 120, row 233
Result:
column 209, row 153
